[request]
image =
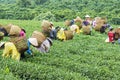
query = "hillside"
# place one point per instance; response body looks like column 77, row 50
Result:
column 58, row 10
column 7, row 1
column 84, row 57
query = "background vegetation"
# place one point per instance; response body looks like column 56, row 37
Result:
column 59, row 10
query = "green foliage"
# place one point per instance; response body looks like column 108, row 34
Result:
column 6, row 75
column 84, row 57
column 23, row 3
column 116, row 21
column 45, row 16
column 7, row 1
column 26, row 70
column 38, row 2
column 60, row 9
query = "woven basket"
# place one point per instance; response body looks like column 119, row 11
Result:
column 68, row 34
column 117, row 33
column 86, row 29
column 99, row 23
column 67, row 23
column 1, row 36
column 104, row 20
column 39, row 36
column 20, row 43
column 15, row 30
column 78, row 19
column 45, row 26
column 7, row 28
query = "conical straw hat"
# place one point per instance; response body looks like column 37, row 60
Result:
column 33, row 41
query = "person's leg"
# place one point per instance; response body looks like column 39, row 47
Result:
column 15, row 55
column 22, row 55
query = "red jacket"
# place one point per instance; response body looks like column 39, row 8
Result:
column 111, row 36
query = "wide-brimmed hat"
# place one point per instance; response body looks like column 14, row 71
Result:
column 1, row 44
column 87, row 16
column 33, row 41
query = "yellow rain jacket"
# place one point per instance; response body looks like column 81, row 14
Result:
column 10, row 49
column 77, row 30
column 61, row 34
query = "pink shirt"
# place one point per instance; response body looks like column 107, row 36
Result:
column 22, row 34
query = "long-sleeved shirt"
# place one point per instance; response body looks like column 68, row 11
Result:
column 45, row 46
column 10, row 48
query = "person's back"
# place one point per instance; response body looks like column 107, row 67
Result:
column 10, row 49
column 45, row 46
column 111, row 35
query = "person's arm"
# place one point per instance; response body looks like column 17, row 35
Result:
column 29, row 50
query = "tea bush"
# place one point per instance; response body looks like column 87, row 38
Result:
column 84, row 57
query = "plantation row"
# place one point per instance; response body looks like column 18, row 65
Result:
column 84, row 57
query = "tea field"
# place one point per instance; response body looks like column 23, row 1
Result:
column 84, row 57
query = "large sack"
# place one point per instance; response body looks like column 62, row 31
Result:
column 68, row 34
column 78, row 22
column 78, row 19
column 67, row 23
column 45, row 26
column 20, row 43
column 75, row 29
column 39, row 36
column 7, row 28
column 15, row 30
column 117, row 33
column 86, row 29
column 104, row 20
column 98, row 26
column 1, row 35
column 99, row 23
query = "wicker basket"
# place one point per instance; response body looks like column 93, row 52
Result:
column 45, row 26
column 1, row 36
column 68, row 34
column 15, row 30
column 86, row 29
column 8, row 27
column 20, row 43
column 39, row 36
column 99, row 23
column 117, row 33
column 67, row 23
